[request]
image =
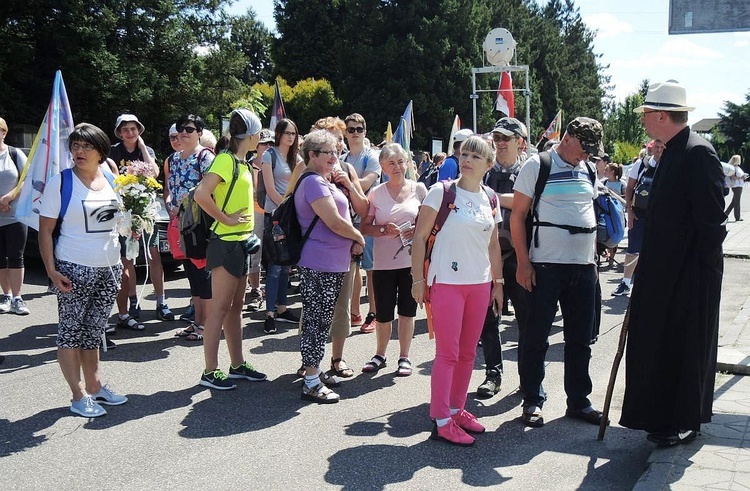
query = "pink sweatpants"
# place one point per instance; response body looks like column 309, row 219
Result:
column 458, row 313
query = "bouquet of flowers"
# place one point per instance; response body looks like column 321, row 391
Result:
column 137, row 187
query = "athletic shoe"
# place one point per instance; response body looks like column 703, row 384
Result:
column 621, row 290
column 87, row 407
column 246, row 371
column 269, row 325
column 189, row 314
column 452, row 433
column 468, row 422
column 671, row 439
column 287, row 316
column 491, row 384
column 109, row 397
column 255, row 302
column 4, row 304
column 18, row 307
column 216, row 380
column 163, row 312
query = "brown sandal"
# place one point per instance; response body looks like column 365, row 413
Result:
column 344, row 372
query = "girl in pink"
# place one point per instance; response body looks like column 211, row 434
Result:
column 393, row 208
column 464, row 275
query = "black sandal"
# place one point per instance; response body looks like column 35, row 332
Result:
column 376, row 363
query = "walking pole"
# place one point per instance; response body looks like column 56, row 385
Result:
column 613, row 373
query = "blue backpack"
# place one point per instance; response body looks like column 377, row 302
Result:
column 610, row 220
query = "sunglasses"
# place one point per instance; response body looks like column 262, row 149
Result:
column 502, row 138
column 352, row 129
column 187, row 129
column 173, row 138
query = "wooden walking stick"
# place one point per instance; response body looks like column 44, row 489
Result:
column 613, row 373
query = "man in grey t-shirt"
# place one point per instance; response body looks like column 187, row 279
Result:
column 559, row 267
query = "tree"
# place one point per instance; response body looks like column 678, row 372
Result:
column 155, row 58
column 305, row 102
column 734, row 131
column 379, row 54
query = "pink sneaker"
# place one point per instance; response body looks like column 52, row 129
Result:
column 452, row 433
column 467, row 421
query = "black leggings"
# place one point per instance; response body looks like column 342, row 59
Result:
column 12, row 244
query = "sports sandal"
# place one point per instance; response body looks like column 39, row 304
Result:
column 343, row 369
column 532, row 417
column 376, row 363
column 130, row 323
column 190, row 333
column 320, row 394
column 404, row 367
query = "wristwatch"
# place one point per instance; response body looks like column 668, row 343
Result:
column 382, row 230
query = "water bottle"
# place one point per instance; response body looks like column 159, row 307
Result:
column 277, row 232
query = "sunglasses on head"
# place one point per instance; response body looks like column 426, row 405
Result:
column 353, row 129
column 186, row 129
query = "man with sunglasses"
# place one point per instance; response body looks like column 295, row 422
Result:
column 558, row 266
column 132, row 148
column 508, row 137
column 365, row 161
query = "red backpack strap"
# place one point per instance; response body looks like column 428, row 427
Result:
column 492, row 195
column 446, row 206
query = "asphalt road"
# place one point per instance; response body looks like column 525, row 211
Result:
column 173, row 434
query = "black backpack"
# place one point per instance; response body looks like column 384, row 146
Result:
column 429, row 176
column 283, row 240
column 502, row 183
column 642, row 190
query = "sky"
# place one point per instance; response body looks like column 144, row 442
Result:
column 631, row 37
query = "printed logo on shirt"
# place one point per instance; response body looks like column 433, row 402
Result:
column 98, row 215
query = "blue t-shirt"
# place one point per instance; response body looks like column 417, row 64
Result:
column 449, row 169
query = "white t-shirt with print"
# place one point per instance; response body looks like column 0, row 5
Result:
column 85, row 235
column 461, row 252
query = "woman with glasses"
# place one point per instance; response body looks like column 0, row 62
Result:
column 392, row 213
column 321, row 275
column 12, row 232
column 277, row 167
column 186, row 170
column 83, row 265
column 229, row 201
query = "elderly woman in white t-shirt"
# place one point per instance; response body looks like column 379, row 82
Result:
column 465, row 273
column 391, row 216
column 83, row 265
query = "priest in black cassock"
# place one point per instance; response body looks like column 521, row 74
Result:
column 674, row 309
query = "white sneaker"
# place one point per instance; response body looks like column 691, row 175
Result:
column 109, row 397
column 4, row 304
column 18, row 307
column 87, row 408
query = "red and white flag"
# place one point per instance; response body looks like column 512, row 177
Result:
column 454, row 129
column 505, row 102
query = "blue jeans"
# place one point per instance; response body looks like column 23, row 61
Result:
column 277, row 280
column 574, row 286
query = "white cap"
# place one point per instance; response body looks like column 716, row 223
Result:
column 462, row 135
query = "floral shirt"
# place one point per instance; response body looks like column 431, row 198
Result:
column 185, row 174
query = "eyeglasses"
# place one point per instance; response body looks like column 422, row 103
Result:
column 173, row 138
column 330, row 153
column 502, row 138
column 268, row 144
column 187, row 129
column 290, row 133
column 86, row 147
column 352, row 129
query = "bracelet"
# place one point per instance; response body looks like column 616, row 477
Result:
column 417, row 282
column 500, row 281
